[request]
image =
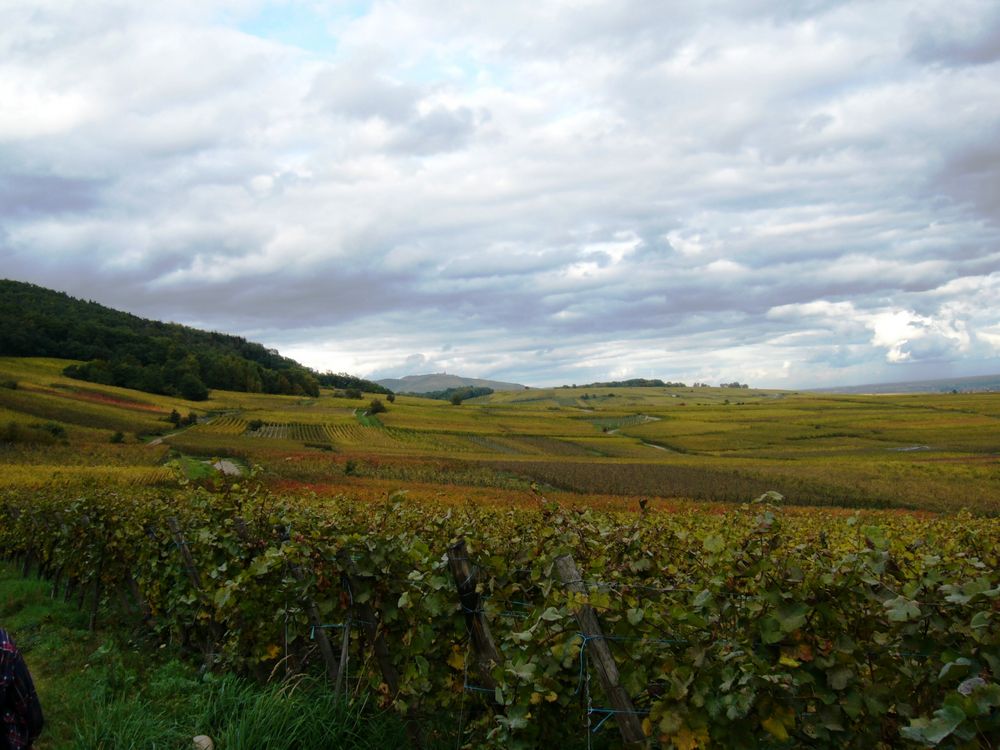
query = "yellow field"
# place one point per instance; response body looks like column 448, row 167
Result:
column 934, row 451
column 32, row 476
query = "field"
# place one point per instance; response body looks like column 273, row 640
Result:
column 936, row 452
column 865, row 571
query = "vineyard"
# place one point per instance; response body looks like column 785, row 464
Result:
column 513, row 628
column 410, row 559
column 932, row 451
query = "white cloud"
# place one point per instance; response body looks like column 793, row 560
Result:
column 798, row 192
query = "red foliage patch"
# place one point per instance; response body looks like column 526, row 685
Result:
column 97, row 397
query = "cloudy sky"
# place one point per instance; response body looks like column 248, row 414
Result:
column 792, row 193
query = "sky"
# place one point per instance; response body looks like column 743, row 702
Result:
column 790, row 194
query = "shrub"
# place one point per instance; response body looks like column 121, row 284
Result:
column 11, row 384
column 118, row 437
column 55, row 429
column 319, row 446
column 353, row 393
column 391, row 398
column 376, row 406
column 12, row 432
column 255, row 424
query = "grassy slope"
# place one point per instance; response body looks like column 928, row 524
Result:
column 102, row 690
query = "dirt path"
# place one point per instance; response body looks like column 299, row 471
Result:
column 227, row 467
column 658, row 447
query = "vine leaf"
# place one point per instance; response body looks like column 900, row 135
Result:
column 931, row 731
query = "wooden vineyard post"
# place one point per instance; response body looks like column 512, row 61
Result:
column 56, row 581
column 466, row 578
column 189, row 567
column 138, row 598
column 329, row 658
column 345, row 655
column 192, row 573
column 597, row 648
column 369, row 619
column 97, row 594
column 312, row 611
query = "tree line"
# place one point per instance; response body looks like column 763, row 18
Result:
column 632, row 383
column 121, row 349
column 457, row 394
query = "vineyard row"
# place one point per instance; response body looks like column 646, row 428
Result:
column 748, row 629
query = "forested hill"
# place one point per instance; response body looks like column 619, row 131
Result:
column 125, row 350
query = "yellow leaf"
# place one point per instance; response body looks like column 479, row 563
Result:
column 774, row 727
column 551, row 697
column 272, row 651
column 457, row 659
column 787, row 661
column 647, row 726
column 685, row 739
column 536, row 698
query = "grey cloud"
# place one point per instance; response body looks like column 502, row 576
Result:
column 971, row 175
column 356, row 91
column 549, row 193
column 27, row 194
column 439, row 130
column 970, row 36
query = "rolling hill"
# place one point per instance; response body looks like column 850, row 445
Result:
column 117, row 348
column 974, row 384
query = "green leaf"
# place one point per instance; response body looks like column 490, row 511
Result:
column 931, row 731
column 958, row 668
column 838, row 677
column 902, row 609
column 551, row 614
column 223, row 595
column 714, row 543
column 985, row 697
column 522, row 636
column 770, row 630
column 792, row 616
column 635, row 616
column 703, row 598
column 524, row 671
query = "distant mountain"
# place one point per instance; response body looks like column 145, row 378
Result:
column 943, row 385
column 121, row 349
column 441, row 381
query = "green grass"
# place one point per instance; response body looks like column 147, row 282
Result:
column 106, row 691
column 366, row 419
column 195, row 468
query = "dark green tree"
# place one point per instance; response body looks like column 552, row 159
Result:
column 191, row 388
